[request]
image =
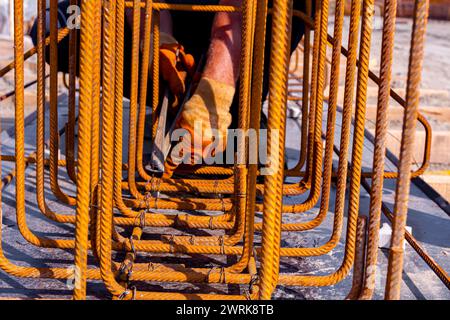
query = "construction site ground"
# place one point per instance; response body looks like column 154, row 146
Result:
column 430, row 223
column 434, row 100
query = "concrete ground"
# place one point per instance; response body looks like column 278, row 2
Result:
column 434, row 94
column 430, row 224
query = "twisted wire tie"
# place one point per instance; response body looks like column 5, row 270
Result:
column 255, row 253
column 254, row 279
column 208, row 274
column 123, row 294
column 247, row 295
column 157, row 192
column 134, row 290
column 148, row 194
column 177, row 221
column 216, row 184
column 141, row 201
column 222, row 278
column 222, row 245
column 222, row 202
column 171, row 243
column 122, row 270
column 139, row 216
column 130, row 272
column 142, row 220
column 133, row 249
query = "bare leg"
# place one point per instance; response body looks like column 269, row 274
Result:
column 223, row 57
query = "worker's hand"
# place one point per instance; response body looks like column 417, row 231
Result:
column 205, row 118
column 175, row 65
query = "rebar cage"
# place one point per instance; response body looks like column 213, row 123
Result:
column 116, row 203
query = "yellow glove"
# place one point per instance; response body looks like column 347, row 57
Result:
column 206, row 114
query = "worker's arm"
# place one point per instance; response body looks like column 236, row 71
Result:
column 208, row 109
column 224, row 52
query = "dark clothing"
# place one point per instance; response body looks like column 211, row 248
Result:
column 191, row 29
column 63, row 46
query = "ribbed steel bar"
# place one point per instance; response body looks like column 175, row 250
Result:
column 395, row 264
column 387, row 47
column 271, row 230
column 70, row 126
column 103, row 199
column 143, row 90
column 88, row 52
column 54, row 137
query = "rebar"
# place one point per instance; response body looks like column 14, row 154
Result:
column 115, row 204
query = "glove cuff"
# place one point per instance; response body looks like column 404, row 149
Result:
column 210, row 104
column 217, row 96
